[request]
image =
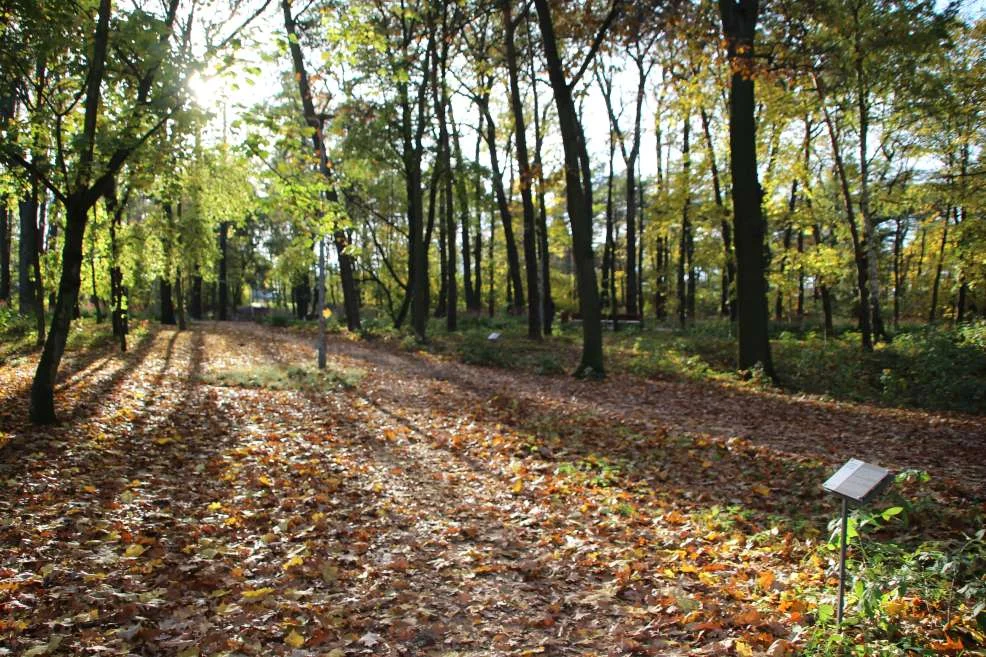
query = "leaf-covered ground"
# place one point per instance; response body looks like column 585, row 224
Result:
column 407, row 505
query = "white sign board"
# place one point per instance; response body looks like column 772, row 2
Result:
column 857, row 481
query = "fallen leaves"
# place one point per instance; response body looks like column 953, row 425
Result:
column 430, row 510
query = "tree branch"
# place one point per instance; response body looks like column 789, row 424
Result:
column 597, row 42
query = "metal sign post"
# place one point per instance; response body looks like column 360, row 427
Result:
column 859, row 483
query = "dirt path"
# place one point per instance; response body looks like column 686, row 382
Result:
column 432, row 509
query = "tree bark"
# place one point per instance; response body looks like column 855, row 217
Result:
column 859, row 250
column 739, row 21
column 503, row 206
column 727, row 300
column 932, row 311
column 534, row 323
column 223, row 271
column 578, row 193
column 77, row 205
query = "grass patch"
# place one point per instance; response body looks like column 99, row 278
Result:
column 18, row 335
column 276, row 377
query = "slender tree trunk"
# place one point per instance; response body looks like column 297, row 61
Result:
column 223, row 271
column 441, row 307
column 900, row 234
column 195, row 305
column 686, row 284
column 938, row 268
column 115, row 209
column 727, row 306
column 544, row 255
column 350, row 291
column 477, row 292
column 792, row 202
column 578, row 191
column 800, row 312
column 824, row 290
column 6, row 224
column 92, row 272
column 492, row 272
column 462, row 198
column 5, row 240
column 739, row 20
column 39, row 288
column 26, row 283
column 321, row 303
column 509, row 241
column 534, row 323
column 167, row 303
column 859, row 250
column 608, row 293
column 180, row 297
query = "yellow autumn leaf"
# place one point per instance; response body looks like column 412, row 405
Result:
column 292, row 562
column 518, row 486
column 765, row 579
column 135, row 550
column 760, row 489
column 265, row 480
column 215, row 506
column 743, row 649
column 257, row 594
column 294, row 639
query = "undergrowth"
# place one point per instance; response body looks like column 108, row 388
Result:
column 915, row 585
column 934, row 368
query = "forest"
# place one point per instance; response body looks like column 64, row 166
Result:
column 490, row 327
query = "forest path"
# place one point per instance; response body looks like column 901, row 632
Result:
column 431, row 508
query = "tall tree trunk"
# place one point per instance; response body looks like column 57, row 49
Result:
column 859, row 246
column 900, row 234
column 491, row 302
column 686, row 282
column 321, row 303
column 26, row 283
column 608, row 293
column 167, row 303
column 195, row 304
column 115, row 208
column 825, row 291
column 578, row 192
column 534, row 323
column 223, row 271
column 180, row 297
column 800, row 311
column 792, row 202
column 441, row 307
column 5, row 241
column 502, row 204
column 92, row 271
column 350, row 291
column 6, row 224
column 42, row 409
column 739, row 21
column 477, row 292
column 544, row 256
column 727, row 305
column 938, row 268
column 462, row 198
